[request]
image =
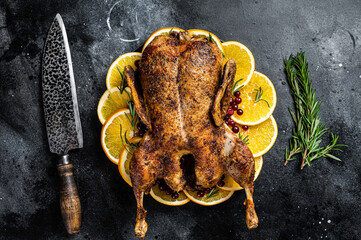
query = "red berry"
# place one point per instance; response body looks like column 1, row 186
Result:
column 175, row 195
column 237, row 94
column 231, row 123
column 230, row 112
column 235, row 107
column 239, row 111
column 141, row 133
column 238, row 100
column 226, row 121
column 226, row 117
column 162, row 187
column 221, row 184
column 231, row 101
column 139, row 126
column 245, row 127
column 168, row 191
column 207, row 190
column 200, row 194
column 235, row 129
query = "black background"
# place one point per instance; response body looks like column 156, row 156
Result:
column 320, row 202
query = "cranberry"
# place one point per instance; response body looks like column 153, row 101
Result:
column 245, row 127
column 230, row 112
column 239, row 111
column 207, row 190
column 221, row 183
column 226, row 121
column 237, row 94
column 235, row 129
column 238, row 100
column 162, row 187
column 168, row 191
column 139, row 126
column 235, row 107
column 231, row 123
column 141, row 133
column 175, row 195
column 231, row 101
column 200, row 194
column 226, row 117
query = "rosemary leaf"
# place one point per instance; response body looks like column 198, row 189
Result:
column 171, row 30
column 235, row 88
column 259, row 96
column 212, row 193
column 244, row 139
column 125, row 142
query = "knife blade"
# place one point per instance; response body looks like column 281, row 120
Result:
column 62, row 118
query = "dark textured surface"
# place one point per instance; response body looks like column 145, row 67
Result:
column 319, row 202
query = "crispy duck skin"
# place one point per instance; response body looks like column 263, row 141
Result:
column 180, row 96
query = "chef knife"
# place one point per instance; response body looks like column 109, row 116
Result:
column 62, row 118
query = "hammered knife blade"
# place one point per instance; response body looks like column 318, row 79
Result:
column 62, row 117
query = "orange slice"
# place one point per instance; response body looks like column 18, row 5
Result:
column 230, row 184
column 244, row 61
column 260, row 137
column 216, row 196
column 162, row 31
column 111, row 101
column 114, row 77
column 162, row 197
column 206, row 34
column 111, row 137
column 256, row 112
column 124, row 160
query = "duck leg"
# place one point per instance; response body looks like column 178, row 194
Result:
column 145, row 169
column 141, row 226
column 240, row 166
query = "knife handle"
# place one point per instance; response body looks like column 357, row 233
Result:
column 69, row 198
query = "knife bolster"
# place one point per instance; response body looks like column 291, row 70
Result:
column 69, row 198
column 63, row 160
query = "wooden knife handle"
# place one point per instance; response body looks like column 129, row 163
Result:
column 69, row 198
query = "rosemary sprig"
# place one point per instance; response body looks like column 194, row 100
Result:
column 259, row 93
column 244, row 139
column 212, row 193
column 125, row 141
column 235, row 88
column 307, row 134
column 133, row 114
column 123, row 84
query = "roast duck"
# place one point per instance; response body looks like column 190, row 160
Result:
column 181, row 94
